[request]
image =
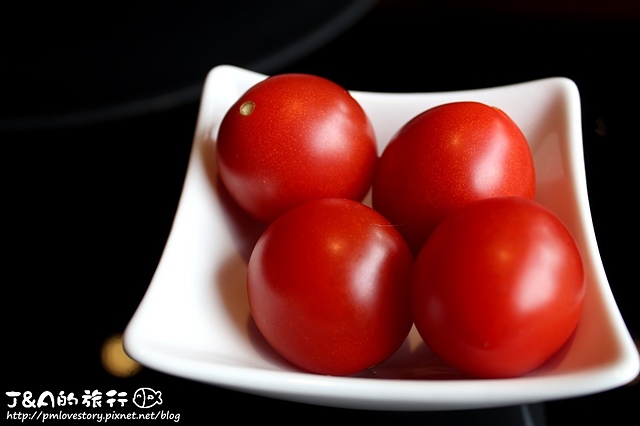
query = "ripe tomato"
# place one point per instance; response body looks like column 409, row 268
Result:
column 328, row 285
column 446, row 157
column 292, row 138
column 498, row 287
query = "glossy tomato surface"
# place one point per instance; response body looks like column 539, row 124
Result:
column 328, row 286
column 498, row 287
column 446, row 157
column 292, row 138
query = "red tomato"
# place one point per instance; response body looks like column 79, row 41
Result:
column 292, row 138
column 498, row 288
column 446, row 157
column 328, row 286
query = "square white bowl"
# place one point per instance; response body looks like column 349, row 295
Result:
column 194, row 319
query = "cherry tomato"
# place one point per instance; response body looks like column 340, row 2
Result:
column 292, row 138
column 328, row 286
column 446, row 157
column 498, row 287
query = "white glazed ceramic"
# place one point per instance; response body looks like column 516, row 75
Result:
column 194, row 320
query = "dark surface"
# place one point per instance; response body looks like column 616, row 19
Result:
column 90, row 203
column 69, row 64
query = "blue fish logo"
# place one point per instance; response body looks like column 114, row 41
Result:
column 147, row 398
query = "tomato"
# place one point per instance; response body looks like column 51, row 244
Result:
column 445, row 158
column 498, row 287
column 328, row 285
column 292, row 138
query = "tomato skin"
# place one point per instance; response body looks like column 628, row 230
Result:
column 445, row 158
column 305, row 138
column 329, row 284
column 498, row 288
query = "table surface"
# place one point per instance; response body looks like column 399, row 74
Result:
column 91, row 204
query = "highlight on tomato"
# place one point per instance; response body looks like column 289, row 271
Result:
column 498, row 287
column 329, row 287
column 291, row 138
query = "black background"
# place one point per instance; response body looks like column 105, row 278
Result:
column 93, row 160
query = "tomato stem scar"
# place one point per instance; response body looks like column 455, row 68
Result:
column 247, row 107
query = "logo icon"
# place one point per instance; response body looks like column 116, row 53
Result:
column 147, row 398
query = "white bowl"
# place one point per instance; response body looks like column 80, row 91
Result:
column 194, row 319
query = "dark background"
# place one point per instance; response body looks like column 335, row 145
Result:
column 97, row 114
